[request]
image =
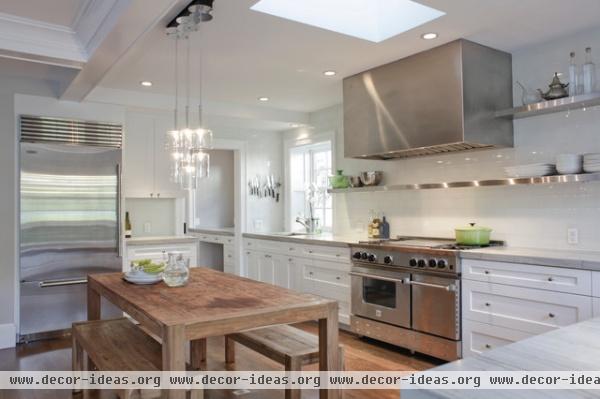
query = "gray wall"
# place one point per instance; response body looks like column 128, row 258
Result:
column 214, row 196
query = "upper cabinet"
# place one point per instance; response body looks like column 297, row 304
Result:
column 146, row 164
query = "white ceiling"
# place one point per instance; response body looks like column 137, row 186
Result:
column 58, row 12
column 250, row 54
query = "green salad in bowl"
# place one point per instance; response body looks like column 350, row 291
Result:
column 147, row 266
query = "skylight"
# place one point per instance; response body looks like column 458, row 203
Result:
column 373, row 20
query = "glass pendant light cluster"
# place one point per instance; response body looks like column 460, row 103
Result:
column 188, row 144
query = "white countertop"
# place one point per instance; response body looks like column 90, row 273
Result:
column 158, row 240
column 224, row 231
column 318, row 239
column 575, row 259
column 574, row 347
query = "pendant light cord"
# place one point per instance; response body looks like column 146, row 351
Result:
column 175, row 116
column 200, row 77
column 187, row 86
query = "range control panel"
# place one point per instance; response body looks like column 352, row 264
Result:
column 424, row 261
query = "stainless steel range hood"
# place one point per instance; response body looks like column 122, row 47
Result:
column 438, row 101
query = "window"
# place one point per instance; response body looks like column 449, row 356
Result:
column 310, row 168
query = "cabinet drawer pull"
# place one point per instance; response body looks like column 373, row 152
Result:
column 290, row 259
column 267, row 256
column 310, row 273
column 338, row 278
column 310, row 252
column 247, row 253
column 151, row 194
column 158, row 195
column 338, row 255
column 550, row 279
column 551, row 315
column 488, row 304
column 488, row 346
column 487, row 272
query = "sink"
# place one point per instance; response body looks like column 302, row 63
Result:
column 287, row 234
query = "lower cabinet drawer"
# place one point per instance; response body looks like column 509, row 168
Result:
column 525, row 309
column 328, row 276
column 571, row 281
column 481, row 337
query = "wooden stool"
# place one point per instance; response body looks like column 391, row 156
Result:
column 284, row 344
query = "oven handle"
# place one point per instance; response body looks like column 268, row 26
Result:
column 451, row 287
column 374, row 276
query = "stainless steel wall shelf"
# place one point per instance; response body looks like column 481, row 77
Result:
column 559, row 179
column 548, row 107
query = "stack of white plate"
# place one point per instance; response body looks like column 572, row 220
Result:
column 591, row 163
column 532, row 170
column 568, row 164
column 142, row 278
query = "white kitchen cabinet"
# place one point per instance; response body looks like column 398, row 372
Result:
column 596, row 307
column 268, row 268
column 505, row 302
column 146, row 164
column 596, row 284
column 558, row 279
column 525, row 309
column 158, row 253
column 481, row 337
column 315, row 269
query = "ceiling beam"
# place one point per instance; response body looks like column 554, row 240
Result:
column 133, row 22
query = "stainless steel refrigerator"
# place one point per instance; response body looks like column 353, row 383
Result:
column 70, row 219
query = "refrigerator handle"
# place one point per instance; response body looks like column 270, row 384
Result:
column 61, row 283
column 118, row 229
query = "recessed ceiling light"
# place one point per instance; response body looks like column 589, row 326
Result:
column 294, row 125
column 146, row 83
column 329, row 73
column 263, row 99
column 429, row 36
column 378, row 21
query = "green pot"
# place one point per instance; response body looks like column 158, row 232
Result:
column 339, row 180
column 473, row 235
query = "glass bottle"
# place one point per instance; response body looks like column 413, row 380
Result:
column 573, row 76
column 177, row 273
column 127, row 226
column 589, row 72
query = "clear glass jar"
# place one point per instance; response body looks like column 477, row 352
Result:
column 177, row 273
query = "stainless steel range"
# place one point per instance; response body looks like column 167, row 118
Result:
column 406, row 291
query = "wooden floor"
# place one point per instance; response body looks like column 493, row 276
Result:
column 361, row 354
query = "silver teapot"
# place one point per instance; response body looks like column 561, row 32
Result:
column 557, row 89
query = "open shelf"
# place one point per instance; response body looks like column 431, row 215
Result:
column 548, row 107
column 558, row 179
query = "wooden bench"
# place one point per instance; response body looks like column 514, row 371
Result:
column 114, row 345
column 284, row 344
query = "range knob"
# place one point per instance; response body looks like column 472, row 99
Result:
column 372, row 257
column 364, row 256
column 441, row 264
column 432, row 263
column 357, row 255
column 421, row 263
column 412, row 262
column 388, row 260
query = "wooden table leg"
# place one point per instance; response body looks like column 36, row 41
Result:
column 173, row 356
column 93, row 304
column 328, row 348
column 198, row 353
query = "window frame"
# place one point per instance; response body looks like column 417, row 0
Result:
column 289, row 145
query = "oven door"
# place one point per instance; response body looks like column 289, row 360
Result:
column 436, row 305
column 381, row 295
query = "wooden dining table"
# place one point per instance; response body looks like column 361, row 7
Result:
column 214, row 303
